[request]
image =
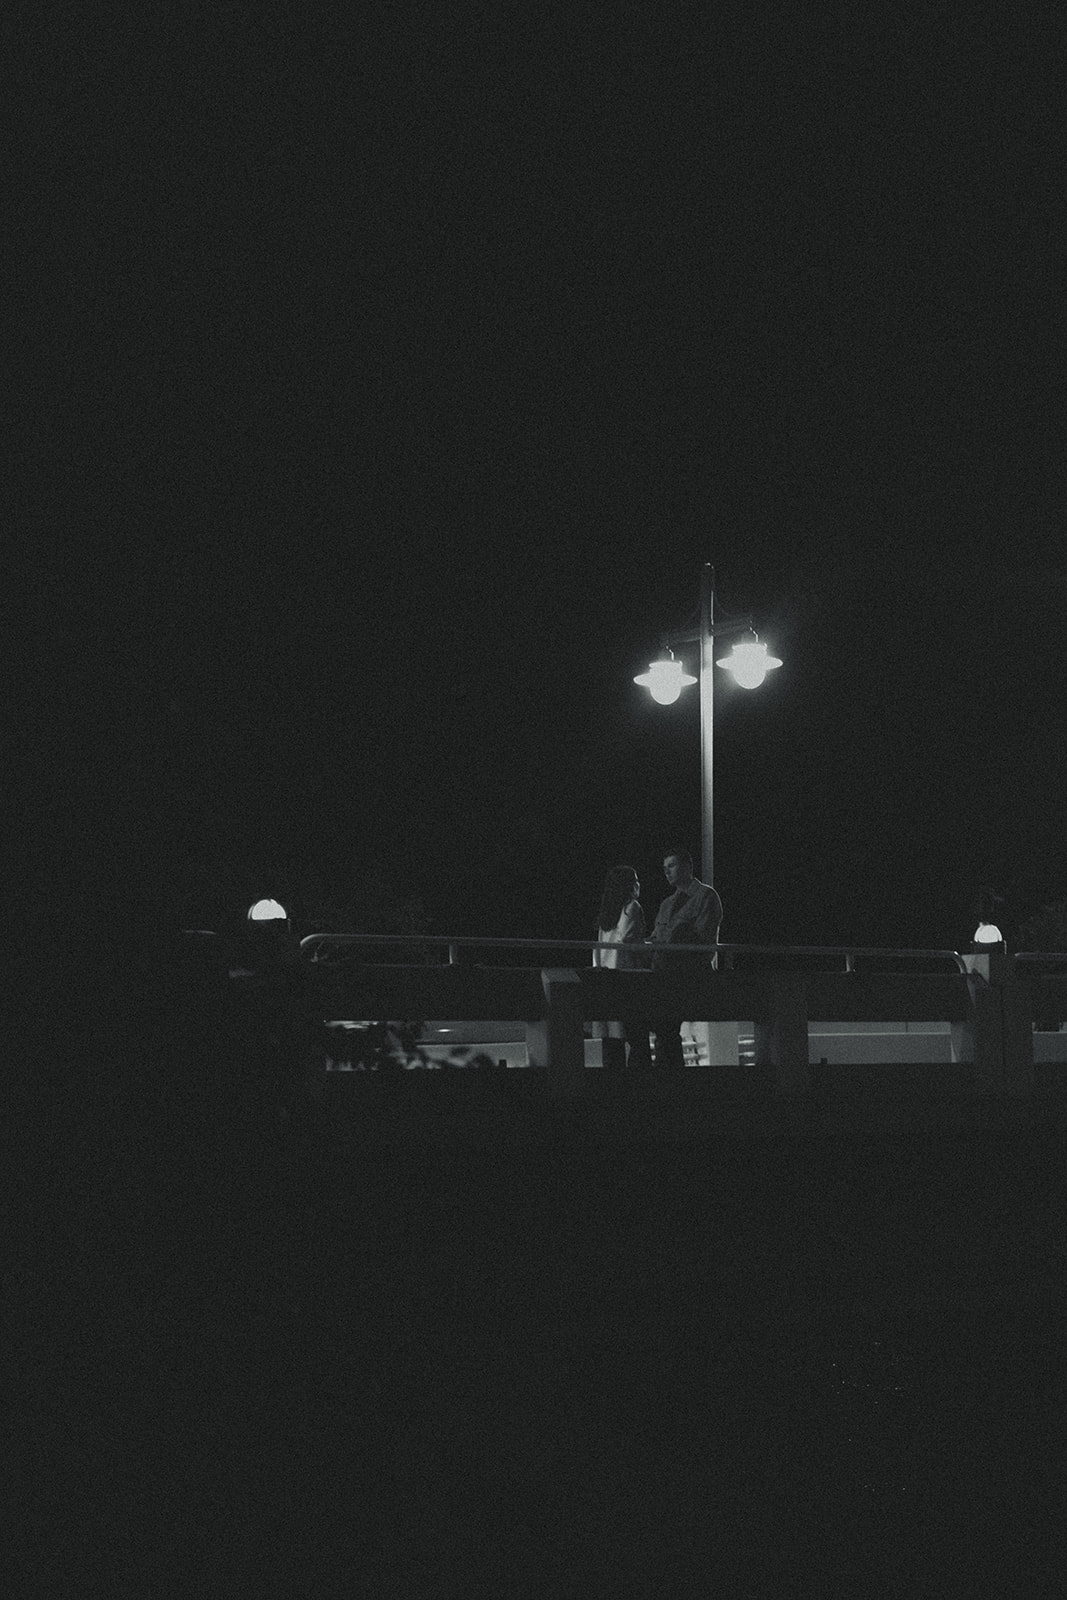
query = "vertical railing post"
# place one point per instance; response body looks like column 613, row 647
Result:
column 1001, row 1034
column 781, row 1029
column 557, row 1040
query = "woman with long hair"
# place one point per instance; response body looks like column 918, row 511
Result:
column 620, row 919
column 621, row 925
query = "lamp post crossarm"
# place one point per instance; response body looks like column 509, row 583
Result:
column 683, row 636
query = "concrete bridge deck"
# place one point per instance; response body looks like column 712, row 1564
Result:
column 796, row 1040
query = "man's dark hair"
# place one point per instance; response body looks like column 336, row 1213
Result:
column 681, row 852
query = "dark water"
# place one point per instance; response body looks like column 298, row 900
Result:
column 308, row 1364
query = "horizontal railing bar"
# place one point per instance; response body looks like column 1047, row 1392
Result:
column 474, row 939
column 651, row 946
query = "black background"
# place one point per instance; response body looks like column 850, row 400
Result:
column 379, row 390
column 388, row 382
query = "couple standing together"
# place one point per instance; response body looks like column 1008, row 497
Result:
column 690, row 914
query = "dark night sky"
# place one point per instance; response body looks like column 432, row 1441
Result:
column 388, row 383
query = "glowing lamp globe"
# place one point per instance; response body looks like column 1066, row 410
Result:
column 267, row 911
column 665, row 681
column 749, row 663
column 987, row 933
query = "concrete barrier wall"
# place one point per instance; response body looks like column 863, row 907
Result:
column 799, row 1019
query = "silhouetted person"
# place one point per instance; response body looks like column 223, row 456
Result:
column 621, row 922
column 690, row 914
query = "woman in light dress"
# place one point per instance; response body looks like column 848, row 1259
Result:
column 621, row 925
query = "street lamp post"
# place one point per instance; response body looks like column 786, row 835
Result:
column 707, row 722
column 665, row 679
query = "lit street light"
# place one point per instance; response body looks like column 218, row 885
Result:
column 665, row 680
column 267, row 911
column 748, row 662
column 987, row 932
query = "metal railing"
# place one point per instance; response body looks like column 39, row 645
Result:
column 990, row 1004
column 722, row 955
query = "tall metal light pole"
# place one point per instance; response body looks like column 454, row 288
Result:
column 707, row 723
column 665, row 679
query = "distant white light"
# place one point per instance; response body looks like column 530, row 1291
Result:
column 987, row 933
column 749, row 663
column 267, row 911
column 665, row 681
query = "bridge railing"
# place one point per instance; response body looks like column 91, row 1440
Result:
column 990, row 1002
column 723, row 957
